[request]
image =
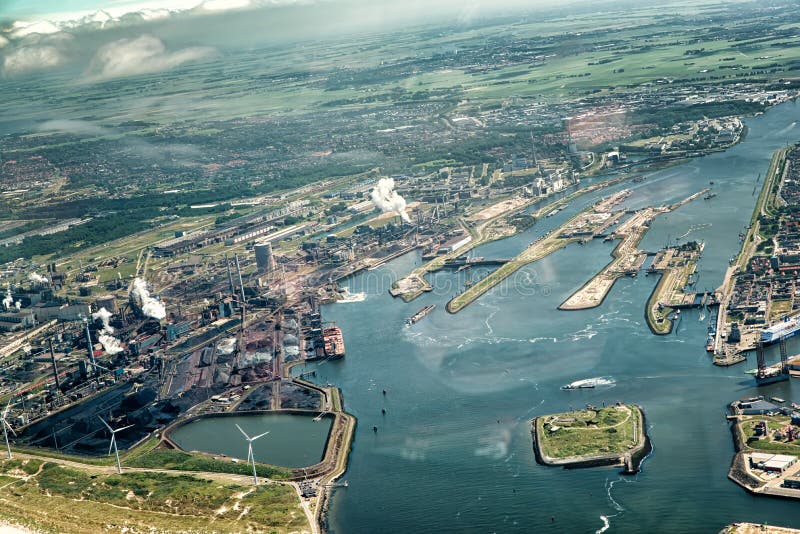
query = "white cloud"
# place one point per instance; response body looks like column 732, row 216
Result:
column 77, row 127
column 145, row 54
column 31, row 58
column 42, row 27
column 3, row 41
column 223, row 5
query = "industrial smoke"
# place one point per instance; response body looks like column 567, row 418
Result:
column 37, row 278
column 9, row 300
column 150, row 307
column 104, row 315
column 387, row 199
column 110, row 343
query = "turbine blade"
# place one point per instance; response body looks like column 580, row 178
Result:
column 123, row 428
column 9, row 427
column 260, row 435
column 106, row 424
column 242, row 431
column 111, row 444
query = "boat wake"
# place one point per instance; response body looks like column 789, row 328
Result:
column 351, row 297
column 606, row 525
column 591, row 383
column 606, row 519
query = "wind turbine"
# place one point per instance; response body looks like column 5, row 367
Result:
column 114, row 441
column 250, row 457
column 7, row 427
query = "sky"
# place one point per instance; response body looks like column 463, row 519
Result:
column 28, row 8
column 131, row 37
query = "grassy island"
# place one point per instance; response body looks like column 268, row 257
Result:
column 612, row 435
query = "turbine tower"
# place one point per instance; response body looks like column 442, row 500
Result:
column 250, row 457
column 7, row 427
column 113, row 443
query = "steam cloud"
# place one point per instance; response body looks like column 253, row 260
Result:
column 110, row 343
column 387, row 199
column 9, row 300
column 104, row 315
column 37, row 278
column 150, row 307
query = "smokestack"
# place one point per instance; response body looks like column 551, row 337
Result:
column 89, row 345
column 239, row 272
column 55, row 366
column 230, row 277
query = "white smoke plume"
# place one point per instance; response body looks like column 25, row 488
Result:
column 9, row 300
column 104, row 315
column 150, row 307
column 387, row 199
column 110, row 343
column 18, row 305
column 37, row 278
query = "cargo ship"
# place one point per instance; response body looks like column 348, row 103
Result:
column 786, row 329
column 420, row 314
column 334, row 342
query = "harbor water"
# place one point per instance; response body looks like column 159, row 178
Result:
column 453, row 451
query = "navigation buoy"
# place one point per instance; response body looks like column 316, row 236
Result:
column 375, row 429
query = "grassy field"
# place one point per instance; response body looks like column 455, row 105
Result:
column 184, row 461
column 608, row 430
column 768, row 445
column 53, row 498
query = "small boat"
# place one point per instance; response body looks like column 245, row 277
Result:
column 709, row 196
column 420, row 314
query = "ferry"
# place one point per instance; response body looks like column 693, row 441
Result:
column 786, row 329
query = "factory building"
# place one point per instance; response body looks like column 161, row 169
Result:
column 12, row 321
column 454, row 243
column 108, row 302
column 773, row 463
column 65, row 312
column 175, row 330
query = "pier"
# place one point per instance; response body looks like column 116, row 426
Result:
column 584, row 225
column 628, row 260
